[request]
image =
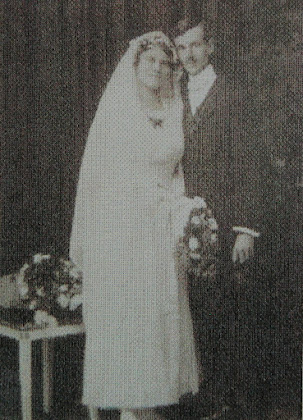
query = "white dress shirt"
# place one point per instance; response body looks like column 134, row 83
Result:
column 198, row 88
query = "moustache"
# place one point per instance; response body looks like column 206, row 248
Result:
column 191, row 60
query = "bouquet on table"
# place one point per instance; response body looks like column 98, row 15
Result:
column 51, row 288
column 199, row 239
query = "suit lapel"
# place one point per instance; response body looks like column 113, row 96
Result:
column 188, row 119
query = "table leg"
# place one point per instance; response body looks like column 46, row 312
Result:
column 47, row 364
column 93, row 413
column 25, row 372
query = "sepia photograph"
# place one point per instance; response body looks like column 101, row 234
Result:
column 151, row 219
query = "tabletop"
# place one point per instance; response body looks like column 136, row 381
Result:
column 31, row 332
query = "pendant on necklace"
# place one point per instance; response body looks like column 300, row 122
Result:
column 156, row 122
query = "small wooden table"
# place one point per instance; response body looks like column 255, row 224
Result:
column 25, row 337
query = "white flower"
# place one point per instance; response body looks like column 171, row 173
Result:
column 52, row 321
column 24, row 268
column 19, row 278
column 199, row 203
column 40, row 317
column 63, row 301
column 67, row 265
column 213, row 237
column 23, row 291
column 196, row 220
column 21, row 274
column 40, row 291
column 75, row 302
column 195, row 256
column 63, row 288
column 38, row 258
column 203, row 219
column 212, row 223
column 193, row 243
column 33, row 305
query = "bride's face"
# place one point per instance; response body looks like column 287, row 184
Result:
column 154, row 68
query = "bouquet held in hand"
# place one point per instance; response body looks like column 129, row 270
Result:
column 200, row 239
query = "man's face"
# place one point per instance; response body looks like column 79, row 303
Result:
column 193, row 50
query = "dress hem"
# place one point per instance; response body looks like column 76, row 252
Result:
column 137, row 406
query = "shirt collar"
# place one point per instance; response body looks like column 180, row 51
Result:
column 205, row 77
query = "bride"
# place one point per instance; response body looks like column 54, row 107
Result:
column 139, row 350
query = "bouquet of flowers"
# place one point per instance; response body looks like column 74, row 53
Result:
column 51, row 287
column 200, row 240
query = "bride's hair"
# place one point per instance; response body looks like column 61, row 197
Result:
column 144, row 46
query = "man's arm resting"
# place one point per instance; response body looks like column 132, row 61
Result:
column 252, row 232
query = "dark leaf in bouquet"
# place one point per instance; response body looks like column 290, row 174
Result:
column 195, row 212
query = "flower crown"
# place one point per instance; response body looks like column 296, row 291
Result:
column 155, row 39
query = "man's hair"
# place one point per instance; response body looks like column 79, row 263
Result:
column 191, row 22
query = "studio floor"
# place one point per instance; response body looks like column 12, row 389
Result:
column 67, row 389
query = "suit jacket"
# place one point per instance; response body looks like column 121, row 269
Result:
column 222, row 158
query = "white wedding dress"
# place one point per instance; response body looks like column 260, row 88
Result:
column 139, row 338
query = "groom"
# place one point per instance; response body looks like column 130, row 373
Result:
column 221, row 164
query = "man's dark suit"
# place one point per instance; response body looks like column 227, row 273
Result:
column 220, row 160
column 282, row 252
column 222, row 164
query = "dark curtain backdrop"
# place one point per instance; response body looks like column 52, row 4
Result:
column 58, row 56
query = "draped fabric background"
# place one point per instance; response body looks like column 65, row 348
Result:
column 58, row 56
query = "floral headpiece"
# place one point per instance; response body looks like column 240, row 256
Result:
column 155, row 39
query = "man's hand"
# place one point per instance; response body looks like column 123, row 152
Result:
column 243, row 248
